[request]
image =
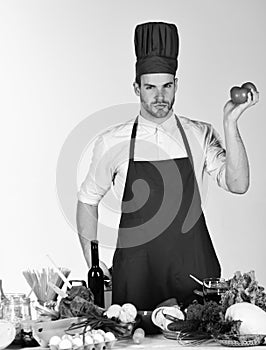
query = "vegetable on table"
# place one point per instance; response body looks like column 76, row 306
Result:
column 252, row 317
column 208, row 319
column 244, row 288
column 80, row 302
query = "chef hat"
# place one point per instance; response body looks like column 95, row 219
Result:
column 156, row 47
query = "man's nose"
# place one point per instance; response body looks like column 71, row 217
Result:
column 159, row 94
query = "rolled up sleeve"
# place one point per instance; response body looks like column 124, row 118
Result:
column 99, row 178
column 215, row 158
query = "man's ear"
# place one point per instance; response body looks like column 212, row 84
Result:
column 176, row 84
column 136, row 88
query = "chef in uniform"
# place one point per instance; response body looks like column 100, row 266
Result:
column 156, row 164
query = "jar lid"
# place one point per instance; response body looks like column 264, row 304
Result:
column 16, row 297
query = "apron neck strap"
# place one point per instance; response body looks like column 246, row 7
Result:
column 132, row 139
column 185, row 140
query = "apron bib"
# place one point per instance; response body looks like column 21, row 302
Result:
column 162, row 236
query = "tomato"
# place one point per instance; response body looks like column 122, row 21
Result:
column 250, row 86
column 239, row 94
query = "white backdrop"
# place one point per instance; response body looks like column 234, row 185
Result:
column 61, row 61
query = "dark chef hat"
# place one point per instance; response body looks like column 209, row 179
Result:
column 156, row 47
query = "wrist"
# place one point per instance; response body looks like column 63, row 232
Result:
column 229, row 122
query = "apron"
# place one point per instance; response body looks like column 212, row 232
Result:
column 162, row 236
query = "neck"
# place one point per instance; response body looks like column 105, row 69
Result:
column 158, row 120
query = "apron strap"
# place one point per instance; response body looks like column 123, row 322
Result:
column 185, row 140
column 132, row 140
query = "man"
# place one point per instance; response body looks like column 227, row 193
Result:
column 156, row 163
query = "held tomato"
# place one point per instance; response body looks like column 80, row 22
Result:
column 239, row 94
column 250, row 86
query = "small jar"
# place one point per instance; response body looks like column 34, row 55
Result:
column 213, row 289
column 16, row 308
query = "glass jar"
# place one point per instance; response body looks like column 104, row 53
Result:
column 213, row 289
column 16, row 308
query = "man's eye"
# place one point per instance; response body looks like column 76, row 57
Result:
column 168, row 86
column 148, row 87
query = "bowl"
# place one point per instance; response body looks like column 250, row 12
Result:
column 43, row 331
column 7, row 333
column 240, row 340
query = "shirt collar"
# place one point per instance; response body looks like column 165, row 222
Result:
column 168, row 125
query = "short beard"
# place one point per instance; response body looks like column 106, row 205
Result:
column 161, row 113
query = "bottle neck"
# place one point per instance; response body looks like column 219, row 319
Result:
column 94, row 253
column 2, row 295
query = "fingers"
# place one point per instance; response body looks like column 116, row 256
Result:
column 239, row 109
column 253, row 96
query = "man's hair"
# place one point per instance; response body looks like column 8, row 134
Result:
column 137, row 80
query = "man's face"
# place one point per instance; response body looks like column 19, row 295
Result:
column 157, row 94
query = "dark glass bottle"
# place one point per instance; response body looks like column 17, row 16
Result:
column 95, row 276
column 27, row 339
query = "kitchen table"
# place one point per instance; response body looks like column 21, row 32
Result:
column 156, row 342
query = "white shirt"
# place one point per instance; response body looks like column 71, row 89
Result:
column 109, row 164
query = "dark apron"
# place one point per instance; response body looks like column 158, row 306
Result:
column 162, row 235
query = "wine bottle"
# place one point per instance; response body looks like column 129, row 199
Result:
column 95, row 276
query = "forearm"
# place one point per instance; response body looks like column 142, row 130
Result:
column 87, row 219
column 237, row 166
